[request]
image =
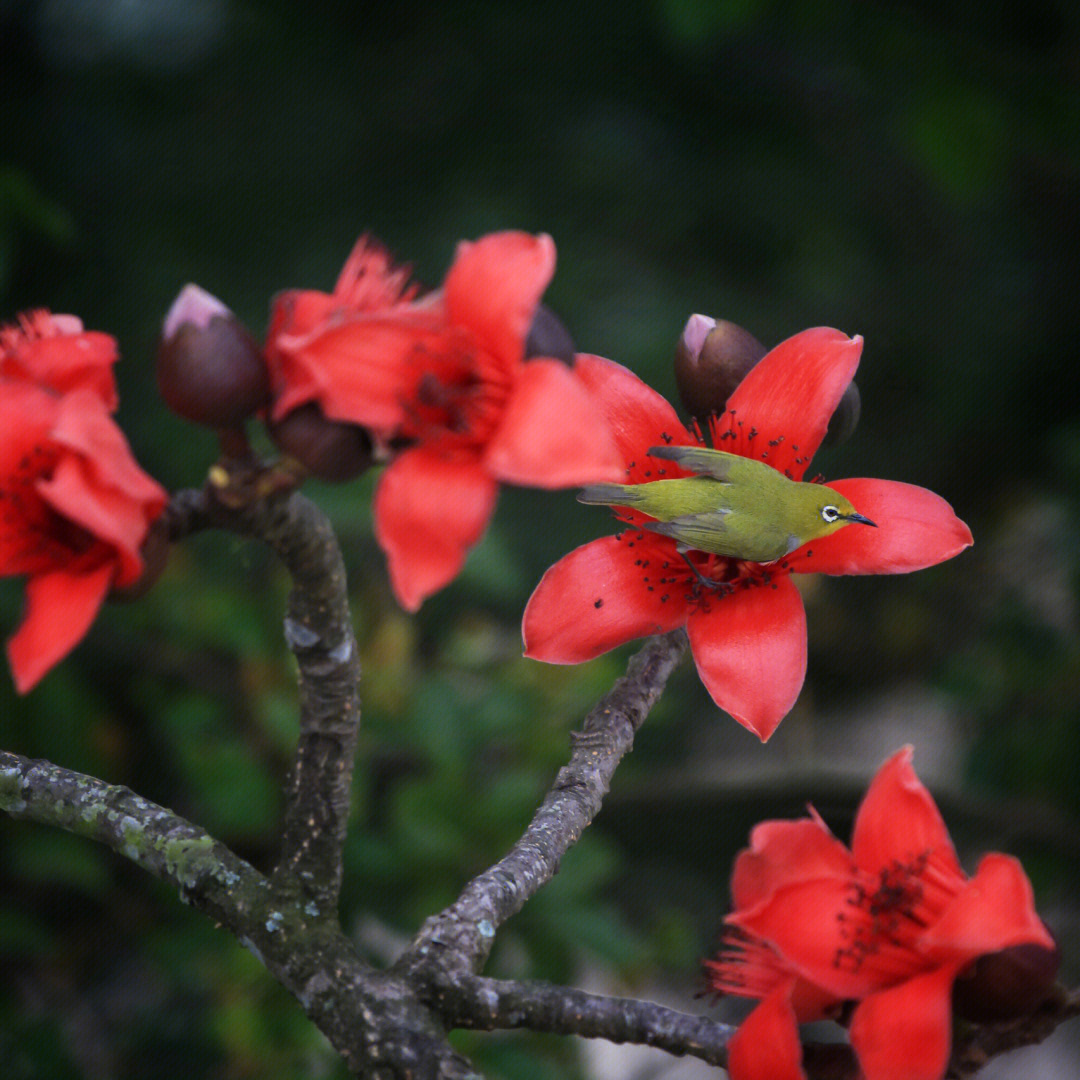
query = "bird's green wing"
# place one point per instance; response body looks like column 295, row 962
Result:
column 701, row 532
column 699, row 459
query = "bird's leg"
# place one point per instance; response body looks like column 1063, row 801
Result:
column 721, row 588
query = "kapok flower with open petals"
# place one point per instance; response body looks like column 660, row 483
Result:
column 748, row 634
column 447, row 374
column 888, row 924
column 75, row 507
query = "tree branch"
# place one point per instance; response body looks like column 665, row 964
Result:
column 201, row 869
column 318, row 629
column 471, row 1001
column 458, row 940
column 373, row 1019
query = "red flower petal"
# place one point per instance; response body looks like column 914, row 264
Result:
column 361, row 370
column 27, row 414
column 595, row 598
column 494, row 286
column 60, row 608
column 905, row 1032
column 808, row 922
column 429, row 511
column 781, row 852
column 637, row 415
column 551, row 434
column 750, row 651
column 996, row 909
column 99, row 486
column 915, row 529
column 766, row 1046
column 296, row 312
column 790, row 394
column 899, row 821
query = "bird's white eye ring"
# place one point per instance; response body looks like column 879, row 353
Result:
column 829, row 514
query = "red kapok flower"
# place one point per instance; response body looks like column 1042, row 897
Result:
column 748, row 637
column 56, row 352
column 448, row 374
column 319, row 344
column 74, row 505
column 888, row 924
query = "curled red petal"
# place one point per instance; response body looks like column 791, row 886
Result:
column 766, row 1046
column 295, row 313
column 60, row 608
column 55, row 351
column 27, row 415
column 362, row 370
column 790, row 394
column 915, row 529
column 750, row 651
column 899, row 821
column 905, row 1032
column 429, row 510
column 551, row 434
column 785, row 851
column 595, row 598
column 994, row 910
column 493, row 288
column 808, row 921
column 98, row 484
column 637, row 415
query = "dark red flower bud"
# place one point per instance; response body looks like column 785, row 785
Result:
column 329, row 449
column 209, row 368
column 713, row 356
column 843, row 421
column 549, row 337
column 155, row 554
column 1007, row 984
column 711, row 359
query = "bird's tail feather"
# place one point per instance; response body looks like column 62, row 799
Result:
column 609, row 494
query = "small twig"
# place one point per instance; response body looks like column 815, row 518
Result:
column 459, row 939
column 471, row 1001
column 979, row 1043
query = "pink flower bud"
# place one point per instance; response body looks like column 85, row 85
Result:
column 711, row 358
column 209, row 369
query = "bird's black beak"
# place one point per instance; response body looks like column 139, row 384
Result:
column 860, row 519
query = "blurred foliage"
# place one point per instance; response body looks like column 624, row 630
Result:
column 909, row 172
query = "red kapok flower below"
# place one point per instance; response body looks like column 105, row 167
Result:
column 75, row 505
column 888, row 924
column 748, row 636
column 448, row 374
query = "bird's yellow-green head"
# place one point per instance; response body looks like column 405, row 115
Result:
column 814, row 511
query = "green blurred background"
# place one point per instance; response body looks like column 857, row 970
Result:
column 908, row 172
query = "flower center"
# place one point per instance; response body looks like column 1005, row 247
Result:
column 886, row 914
column 33, row 536
column 459, row 397
column 733, row 434
column 696, row 577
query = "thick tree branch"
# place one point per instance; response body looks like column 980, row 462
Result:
column 165, row 845
column 318, row 629
column 374, row 1019
column 458, row 940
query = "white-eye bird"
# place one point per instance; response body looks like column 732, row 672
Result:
column 734, row 506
